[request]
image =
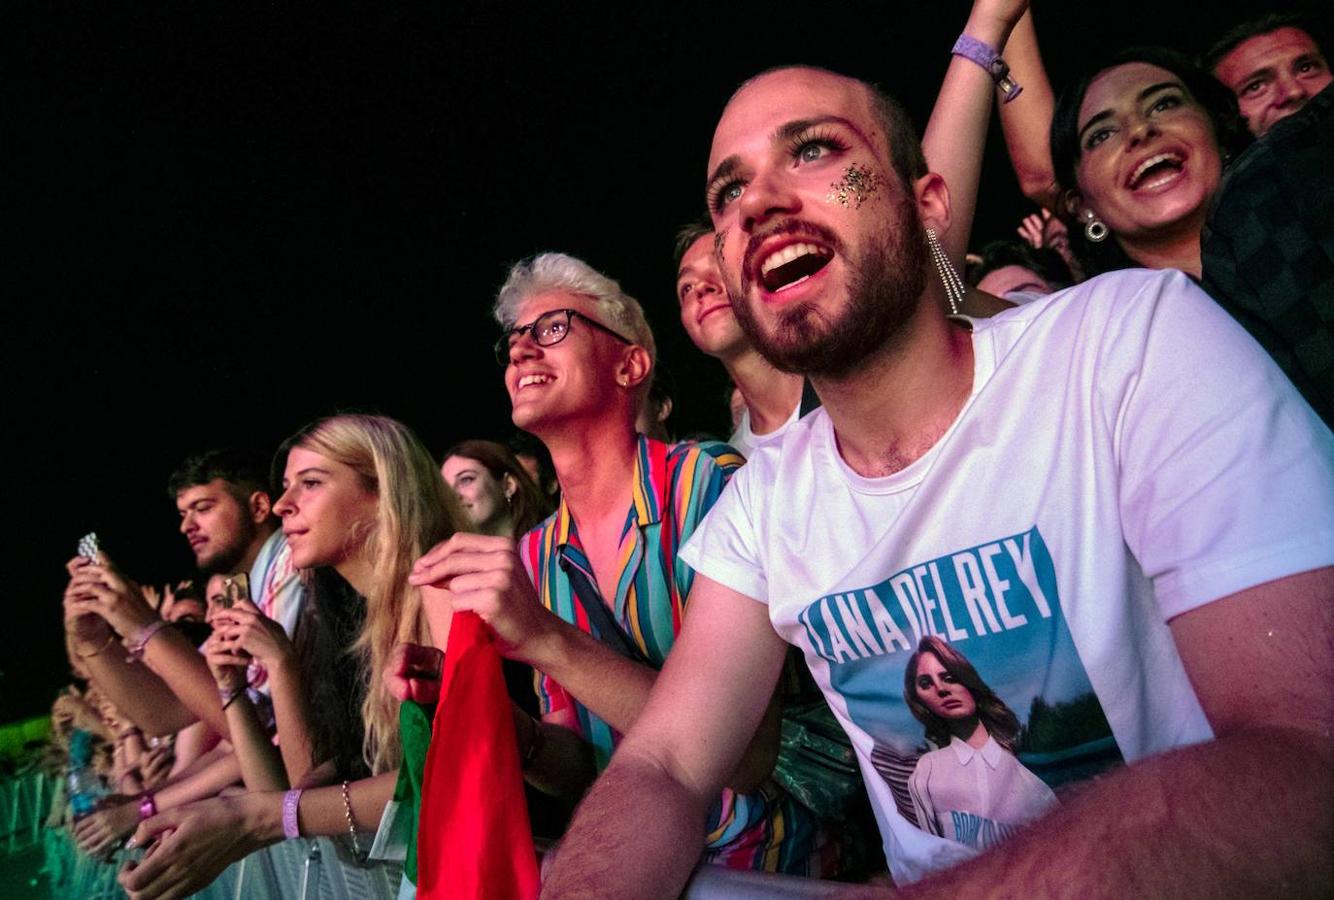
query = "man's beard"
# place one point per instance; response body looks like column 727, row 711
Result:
column 884, row 284
column 228, row 559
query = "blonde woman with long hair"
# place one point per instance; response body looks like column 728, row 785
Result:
column 360, row 495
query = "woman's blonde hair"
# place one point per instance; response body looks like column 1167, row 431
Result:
column 414, row 511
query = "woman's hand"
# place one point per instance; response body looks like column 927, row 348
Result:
column 483, row 574
column 194, row 843
column 246, row 631
column 98, row 588
column 1006, row 12
column 99, row 833
column 155, row 765
column 228, row 666
column 86, row 626
column 413, row 673
column 1031, row 229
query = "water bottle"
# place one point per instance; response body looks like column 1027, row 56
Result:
column 85, row 787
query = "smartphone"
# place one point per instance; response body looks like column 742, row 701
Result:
column 234, row 587
column 89, row 546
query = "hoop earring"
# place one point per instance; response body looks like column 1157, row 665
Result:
column 954, row 290
column 1094, row 229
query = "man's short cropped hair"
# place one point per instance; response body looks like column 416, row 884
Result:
column 1043, row 262
column 1265, row 24
column 686, row 236
column 244, row 473
column 905, row 144
column 550, row 272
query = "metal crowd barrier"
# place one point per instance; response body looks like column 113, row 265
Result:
column 24, row 802
column 320, row 869
column 309, row 869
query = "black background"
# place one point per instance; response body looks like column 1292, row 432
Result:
column 227, row 220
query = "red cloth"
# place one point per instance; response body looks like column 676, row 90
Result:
column 473, row 837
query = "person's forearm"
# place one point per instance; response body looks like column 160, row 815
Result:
column 173, row 659
column 293, row 719
column 189, row 746
column 1026, row 122
column 261, row 765
column 1246, row 815
column 322, row 811
column 200, row 761
column 223, row 771
column 612, row 687
column 562, row 765
column 955, row 137
column 608, row 829
column 615, row 690
column 143, row 697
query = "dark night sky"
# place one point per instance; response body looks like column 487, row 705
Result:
column 228, row 220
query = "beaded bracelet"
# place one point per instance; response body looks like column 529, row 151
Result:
column 141, row 639
column 351, row 827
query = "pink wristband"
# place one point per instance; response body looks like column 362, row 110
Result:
column 290, row 801
column 147, row 807
column 141, row 639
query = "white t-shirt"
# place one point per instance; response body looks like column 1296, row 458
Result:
column 746, row 441
column 1128, row 453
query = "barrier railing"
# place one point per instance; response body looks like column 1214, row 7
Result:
column 24, row 802
column 322, row 869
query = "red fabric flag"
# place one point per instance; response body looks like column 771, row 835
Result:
column 473, row 836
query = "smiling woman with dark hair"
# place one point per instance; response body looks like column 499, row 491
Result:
column 972, row 788
column 1139, row 145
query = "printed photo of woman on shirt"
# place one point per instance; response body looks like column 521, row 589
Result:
column 972, row 788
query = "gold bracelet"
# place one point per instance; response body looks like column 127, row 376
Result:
column 111, row 637
column 351, row 828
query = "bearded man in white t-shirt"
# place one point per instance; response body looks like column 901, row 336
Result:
column 1112, row 503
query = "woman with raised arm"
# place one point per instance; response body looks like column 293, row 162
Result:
column 361, row 495
column 1131, row 154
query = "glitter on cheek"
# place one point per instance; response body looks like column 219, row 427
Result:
column 855, row 188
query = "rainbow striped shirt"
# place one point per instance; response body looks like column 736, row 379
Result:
column 674, row 487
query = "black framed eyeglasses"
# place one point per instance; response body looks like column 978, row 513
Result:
column 548, row 329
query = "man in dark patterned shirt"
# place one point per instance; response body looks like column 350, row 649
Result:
column 1268, row 247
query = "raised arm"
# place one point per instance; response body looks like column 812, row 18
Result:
column 99, row 589
column 651, row 802
column 955, row 137
column 260, row 764
column 245, row 629
column 1247, row 814
column 1026, row 122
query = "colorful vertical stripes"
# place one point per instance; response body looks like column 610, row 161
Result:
column 674, row 487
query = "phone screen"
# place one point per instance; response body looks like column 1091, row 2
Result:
column 234, row 588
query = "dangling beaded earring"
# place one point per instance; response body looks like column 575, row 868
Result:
column 1094, row 229
column 949, row 277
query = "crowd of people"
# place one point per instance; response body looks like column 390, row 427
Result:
column 974, row 538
